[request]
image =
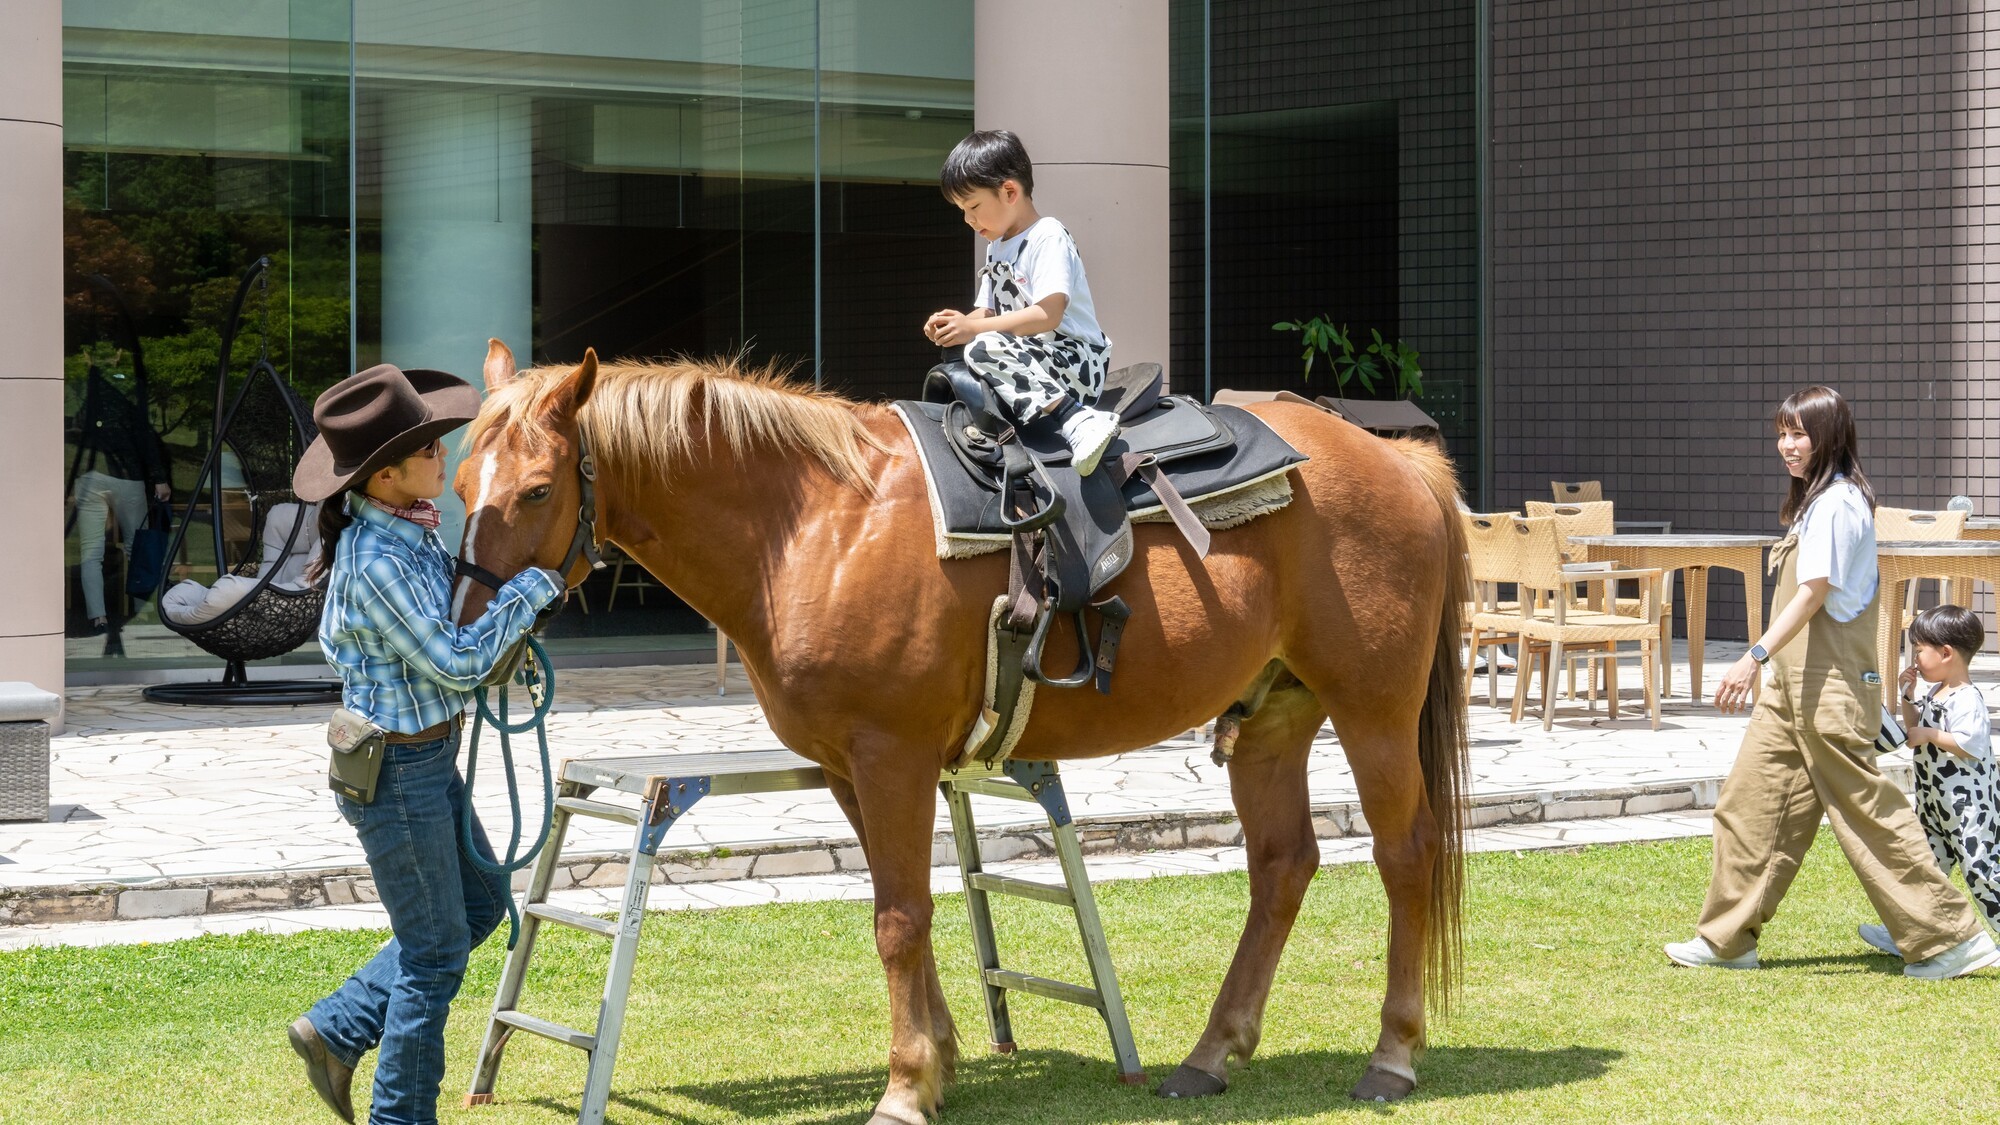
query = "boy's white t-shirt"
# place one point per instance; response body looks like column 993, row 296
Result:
column 1044, row 260
column 1963, row 713
column 1837, row 543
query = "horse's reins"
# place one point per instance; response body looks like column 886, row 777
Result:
column 537, row 673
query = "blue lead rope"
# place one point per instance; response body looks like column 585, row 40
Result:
column 538, row 676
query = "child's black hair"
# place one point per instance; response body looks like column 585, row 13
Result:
column 1952, row 625
column 986, row 159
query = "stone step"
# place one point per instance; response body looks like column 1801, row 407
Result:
column 1168, row 831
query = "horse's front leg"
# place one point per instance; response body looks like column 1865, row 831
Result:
column 939, row 1023
column 895, row 791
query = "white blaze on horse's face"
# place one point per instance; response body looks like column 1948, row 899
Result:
column 488, row 465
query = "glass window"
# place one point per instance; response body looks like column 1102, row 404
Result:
column 195, row 142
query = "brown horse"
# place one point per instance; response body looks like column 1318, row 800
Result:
column 798, row 522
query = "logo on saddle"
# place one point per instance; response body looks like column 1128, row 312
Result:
column 994, row 486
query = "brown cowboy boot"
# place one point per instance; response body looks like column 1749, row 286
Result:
column 330, row 1077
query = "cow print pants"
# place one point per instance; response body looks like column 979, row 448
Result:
column 1032, row 375
column 1958, row 803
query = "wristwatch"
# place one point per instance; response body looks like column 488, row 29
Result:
column 1760, row 654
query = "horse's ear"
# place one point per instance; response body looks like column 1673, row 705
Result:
column 578, row 384
column 499, row 365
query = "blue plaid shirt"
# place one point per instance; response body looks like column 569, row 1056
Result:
column 388, row 629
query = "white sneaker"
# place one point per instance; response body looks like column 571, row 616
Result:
column 1877, row 935
column 1088, row 433
column 1698, row 954
column 1968, row 956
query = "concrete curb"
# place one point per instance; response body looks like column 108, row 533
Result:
column 1163, row 831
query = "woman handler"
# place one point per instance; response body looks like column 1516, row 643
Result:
column 1810, row 744
column 409, row 669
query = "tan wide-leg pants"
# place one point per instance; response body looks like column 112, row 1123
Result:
column 1785, row 777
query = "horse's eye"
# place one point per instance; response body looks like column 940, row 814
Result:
column 537, row 494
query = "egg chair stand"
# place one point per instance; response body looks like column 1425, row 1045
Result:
column 266, row 428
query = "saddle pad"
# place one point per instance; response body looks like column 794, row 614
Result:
column 1225, row 488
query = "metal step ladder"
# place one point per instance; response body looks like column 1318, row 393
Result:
column 669, row 785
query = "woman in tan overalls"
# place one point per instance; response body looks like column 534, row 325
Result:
column 1809, row 748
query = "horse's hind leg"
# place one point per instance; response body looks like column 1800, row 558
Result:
column 938, row 1020
column 897, row 799
column 1267, row 782
column 1381, row 749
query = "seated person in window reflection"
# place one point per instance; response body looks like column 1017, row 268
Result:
column 122, row 463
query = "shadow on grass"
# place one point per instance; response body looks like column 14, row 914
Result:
column 1061, row 1086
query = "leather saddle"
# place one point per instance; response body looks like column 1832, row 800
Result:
column 1070, row 535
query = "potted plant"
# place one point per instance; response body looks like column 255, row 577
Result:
column 1390, row 362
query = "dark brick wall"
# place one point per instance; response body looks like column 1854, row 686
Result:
column 1700, row 208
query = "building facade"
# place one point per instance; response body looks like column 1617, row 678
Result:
column 1616, row 234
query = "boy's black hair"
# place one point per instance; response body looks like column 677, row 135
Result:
column 1952, row 625
column 986, row 159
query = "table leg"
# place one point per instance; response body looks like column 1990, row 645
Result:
column 1753, row 608
column 1889, row 636
column 1667, row 632
column 1697, row 618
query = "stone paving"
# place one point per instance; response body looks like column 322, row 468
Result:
column 164, row 811
column 846, row 885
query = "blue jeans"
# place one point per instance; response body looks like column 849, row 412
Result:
column 440, row 907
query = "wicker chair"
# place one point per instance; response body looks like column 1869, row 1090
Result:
column 1566, row 627
column 1492, row 550
column 1577, row 492
column 1914, row 525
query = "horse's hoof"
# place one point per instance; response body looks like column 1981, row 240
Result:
column 1379, row 1085
column 1191, row 1082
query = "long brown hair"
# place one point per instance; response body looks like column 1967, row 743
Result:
column 333, row 519
column 1827, row 422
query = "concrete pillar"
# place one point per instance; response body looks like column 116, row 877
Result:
column 457, row 247
column 31, row 382
column 1085, row 86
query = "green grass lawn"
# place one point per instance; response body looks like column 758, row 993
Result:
column 1569, row 1013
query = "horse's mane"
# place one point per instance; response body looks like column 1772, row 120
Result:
column 645, row 414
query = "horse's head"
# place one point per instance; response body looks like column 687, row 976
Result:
column 523, row 481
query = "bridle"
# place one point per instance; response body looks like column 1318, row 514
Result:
column 582, row 543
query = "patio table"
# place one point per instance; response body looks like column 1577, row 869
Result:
column 1981, row 529
column 1958, row 560
column 1696, row 553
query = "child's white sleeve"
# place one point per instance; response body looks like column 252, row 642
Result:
column 1050, row 262
column 1965, row 717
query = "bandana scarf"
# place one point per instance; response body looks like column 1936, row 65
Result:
column 423, row 513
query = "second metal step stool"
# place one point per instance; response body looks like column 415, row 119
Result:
column 669, row 785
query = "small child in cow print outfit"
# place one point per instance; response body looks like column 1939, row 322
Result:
column 1957, row 782
column 1032, row 333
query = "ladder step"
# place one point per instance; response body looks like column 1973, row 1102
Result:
column 1044, row 987
column 583, row 806
column 987, row 787
column 604, row 927
column 1020, row 888
column 548, row 1029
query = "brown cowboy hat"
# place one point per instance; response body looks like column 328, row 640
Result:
column 375, row 418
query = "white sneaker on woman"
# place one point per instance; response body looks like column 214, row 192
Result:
column 1088, row 434
column 1967, row 956
column 1877, row 935
column 1698, row 954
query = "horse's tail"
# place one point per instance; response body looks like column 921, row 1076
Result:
column 1442, row 743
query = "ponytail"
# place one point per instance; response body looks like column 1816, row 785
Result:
column 333, row 519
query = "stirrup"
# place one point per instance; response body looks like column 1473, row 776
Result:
column 1031, row 661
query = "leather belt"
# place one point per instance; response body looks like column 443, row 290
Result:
column 428, row 734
